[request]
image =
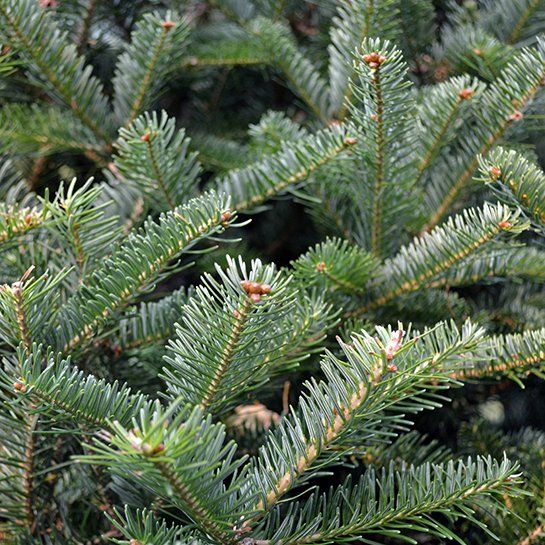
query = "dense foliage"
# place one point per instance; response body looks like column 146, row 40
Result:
column 374, row 167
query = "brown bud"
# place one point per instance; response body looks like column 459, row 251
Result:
column 515, row 116
column 524, row 196
column 320, row 267
column 146, row 136
column 20, row 387
column 255, row 297
column 466, row 94
column 392, row 368
column 255, row 287
column 504, row 224
column 350, row 141
column 226, row 216
column 246, row 285
column 265, row 289
column 134, row 542
column 495, row 173
column 374, row 60
column 374, row 117
column 477, row 52
column 167, row 25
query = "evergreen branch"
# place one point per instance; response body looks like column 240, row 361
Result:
column 525, row 15
column 28, row 472
column 517, row 181
column 353, row 22
column 515, row 356
column 468, row 48
column 153, row 322
column 17, row 479
column 26, row 305
column 500, row 106
column 17, row 221
column 336, row 265
column 273, row 130
column 136, row 265
column 376, row 234
column 381, row 107
column 441, row 108
column 180, row 451
column 262, row 327
column 384, row 502
column 219, row 154
column 370, row 391
column 81, row 223
column 424, row 261
column 31, row 130
column 284, row 171
column 58, row 387
column 54, row 62
column 155, row 159
column 301, row 74
column 156, row 48
column 141, row 526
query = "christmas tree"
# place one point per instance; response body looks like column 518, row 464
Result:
column 247, row 248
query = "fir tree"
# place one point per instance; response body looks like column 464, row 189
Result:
column 155, row 390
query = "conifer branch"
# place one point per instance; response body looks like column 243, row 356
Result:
column 195, row 510
column 42, row 44
column 146, row 80
column 517, row 355
column 343, row 266
column 17, row 291
column 156, row 48
column 299, row 71
column 441, row 108
column 409, row 494
column 523, row 19
column 299, row 443
column 154, row 158
column 177, row 450
column 517, row 181
column 137, row 264
column 378, row 189
column 353, row 22
column 422, row 263
column 241, row 315
column 152, row 322
column 283, row 171
column 158, row 174
column 520, row 81
column 381, row 107
column 264, row 326
column 28, row 472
